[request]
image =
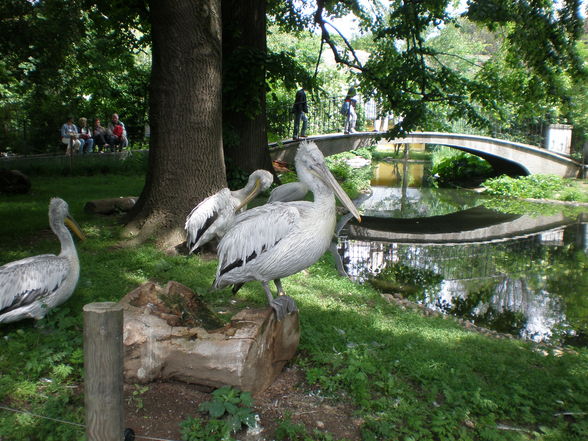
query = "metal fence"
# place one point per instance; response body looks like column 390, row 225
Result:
column 324, row 117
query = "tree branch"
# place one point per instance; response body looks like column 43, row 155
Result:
column 447, row 54
column 326, row 37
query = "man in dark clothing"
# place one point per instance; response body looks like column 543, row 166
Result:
column 300, row 109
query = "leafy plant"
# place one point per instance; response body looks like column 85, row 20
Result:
column 290, row 431
column 232, row 407
column 196, row 429
column 456, row 167
column 81, row 165
column 353, row 180
column 535, row 187
column 519, row 206
column 136, row 398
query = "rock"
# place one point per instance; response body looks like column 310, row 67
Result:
column 248, row 353
column 389, row 298
column 357, row 162
column 110, row 206
column 14, row 182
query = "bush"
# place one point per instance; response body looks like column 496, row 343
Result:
column 454, row 167
column 532, row 186
column 80, row 165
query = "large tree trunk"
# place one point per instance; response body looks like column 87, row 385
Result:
column 185, row 153
column 244, row 116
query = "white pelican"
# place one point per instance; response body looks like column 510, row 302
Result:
column 32, row 286
column 282, row 238
column 292, row 191
column 214, row 215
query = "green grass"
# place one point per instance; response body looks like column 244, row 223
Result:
column 537, row 187
column 409, row 377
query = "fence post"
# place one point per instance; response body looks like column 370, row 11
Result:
column 103, row 370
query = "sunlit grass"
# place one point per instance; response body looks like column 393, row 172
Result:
column 408, row 376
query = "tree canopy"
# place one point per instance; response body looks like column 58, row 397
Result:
column 91, row 58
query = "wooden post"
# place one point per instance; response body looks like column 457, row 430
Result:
column 103, row 369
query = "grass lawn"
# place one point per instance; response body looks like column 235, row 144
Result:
column 410, row 377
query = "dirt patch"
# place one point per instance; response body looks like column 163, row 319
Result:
column 158, row 410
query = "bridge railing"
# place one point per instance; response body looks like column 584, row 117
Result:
column 532, row 134
column 324, row 118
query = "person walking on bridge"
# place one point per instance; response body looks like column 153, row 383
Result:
column 300, row 109
column 348, row 110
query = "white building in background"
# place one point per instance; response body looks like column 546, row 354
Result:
column 558, row 138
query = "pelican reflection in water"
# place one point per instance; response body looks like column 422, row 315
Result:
column 279, row 239
column 30, row 287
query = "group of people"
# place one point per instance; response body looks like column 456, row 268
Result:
column 82, row 139
column 300, row 109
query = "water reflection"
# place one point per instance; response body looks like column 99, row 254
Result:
column 524, row 275
column 415, row 202
column 394, row 174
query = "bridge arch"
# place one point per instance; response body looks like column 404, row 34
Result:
column 512, row 157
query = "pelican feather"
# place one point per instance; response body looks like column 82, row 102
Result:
column 214, row 215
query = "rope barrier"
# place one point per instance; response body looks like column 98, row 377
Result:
column 41, row 416
column 129, row 433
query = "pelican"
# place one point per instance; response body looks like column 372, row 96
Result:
column 292, row 191
column 279, row 239
column 30, row 287
column 214, row 215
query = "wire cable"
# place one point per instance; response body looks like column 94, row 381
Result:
column 82, row 426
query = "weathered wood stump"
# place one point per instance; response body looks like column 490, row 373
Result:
column 247, row 353
column 110, row 206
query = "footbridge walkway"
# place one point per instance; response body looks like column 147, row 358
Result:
column 507, row 156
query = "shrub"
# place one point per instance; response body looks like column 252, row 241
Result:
column 80, row 165
column 455, row 167
column 532, row 186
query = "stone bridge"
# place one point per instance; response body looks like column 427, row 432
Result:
column 509, row 157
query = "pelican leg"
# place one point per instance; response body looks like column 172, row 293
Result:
column 278, row 283
column 236, row 287
column 282, row 305
column 337, row 258
column 268, row 292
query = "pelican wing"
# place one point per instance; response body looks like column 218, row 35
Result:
column 254, row 232
column 292, row 191
column 209, row 218
column 28, row 280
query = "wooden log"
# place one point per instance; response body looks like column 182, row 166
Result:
column 249, row 353
column 103, row 371
column 110, row 206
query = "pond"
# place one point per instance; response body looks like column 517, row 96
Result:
column 523, row 274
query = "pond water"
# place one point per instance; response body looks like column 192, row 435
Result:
column 523, row 274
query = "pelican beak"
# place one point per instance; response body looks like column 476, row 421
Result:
column 73, row 226
column 250, row 196
column 323, row 173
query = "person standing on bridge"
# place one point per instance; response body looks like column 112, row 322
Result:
column 300, row 109
column 348, row 110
